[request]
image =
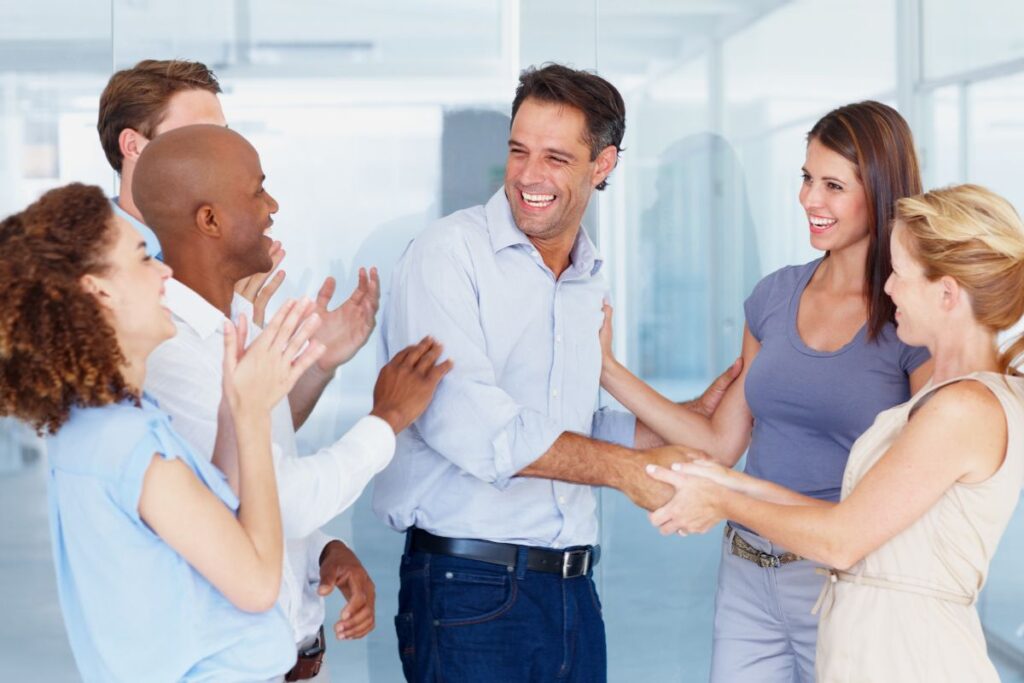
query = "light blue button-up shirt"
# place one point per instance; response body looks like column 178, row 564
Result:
column 152, row 243
column 527, row 368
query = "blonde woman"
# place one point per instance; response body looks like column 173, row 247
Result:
column 931, row 486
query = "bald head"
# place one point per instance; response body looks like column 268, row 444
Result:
column 186, row 168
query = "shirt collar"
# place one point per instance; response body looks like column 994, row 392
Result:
column 193, row 310
column 504, row 233
column 152, row 243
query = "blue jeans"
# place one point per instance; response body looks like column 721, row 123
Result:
column 464, row 620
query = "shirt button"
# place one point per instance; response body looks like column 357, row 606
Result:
column 558, row 338
column 561, row 500
column 554, row 393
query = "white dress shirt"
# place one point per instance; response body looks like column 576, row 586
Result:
column 184, row 375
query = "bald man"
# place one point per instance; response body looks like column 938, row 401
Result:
column 201, row 189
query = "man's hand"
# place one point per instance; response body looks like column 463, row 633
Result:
column 707, row 403
column 257, row 290
column 339, row 567
column 407, row 383
column 647, row 492
column 347, row 327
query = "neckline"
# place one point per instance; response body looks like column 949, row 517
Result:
column 794, row 309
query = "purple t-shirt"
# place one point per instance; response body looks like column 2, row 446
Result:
column 810, row 406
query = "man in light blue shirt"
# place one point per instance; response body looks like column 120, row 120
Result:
column 494, row 482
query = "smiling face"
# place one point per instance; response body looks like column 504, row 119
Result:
column 915, row 296
column 245, row 210
column 834, row 200
column 550, row 176
column 130, row 290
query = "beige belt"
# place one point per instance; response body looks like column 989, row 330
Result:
column 835, row 575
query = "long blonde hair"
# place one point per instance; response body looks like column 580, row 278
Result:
column 976, row 237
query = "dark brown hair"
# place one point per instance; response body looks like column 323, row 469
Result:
column 137, row 98
column 877, row 141
column 56, row 348
column 598, row 100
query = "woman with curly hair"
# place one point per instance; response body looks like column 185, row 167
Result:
column 164, row 572
column 930, row 488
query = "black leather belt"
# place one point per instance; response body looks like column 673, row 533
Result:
column 569, row 563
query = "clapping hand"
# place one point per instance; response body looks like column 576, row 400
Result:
column 346, row 328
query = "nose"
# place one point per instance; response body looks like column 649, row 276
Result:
column 888, row 286
column 810, row 195
column 271, row 202
column 165, row 271
column 532, row 171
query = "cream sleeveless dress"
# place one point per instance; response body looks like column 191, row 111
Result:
column 906, row 611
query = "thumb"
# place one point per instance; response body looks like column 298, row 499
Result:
column 230, row 349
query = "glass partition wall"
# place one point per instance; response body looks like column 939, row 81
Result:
column 373, row 118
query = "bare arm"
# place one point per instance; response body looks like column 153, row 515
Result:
column 958, row 436
column 706, row 404
column 581, row 460
column 724, row 436
column 240, row 556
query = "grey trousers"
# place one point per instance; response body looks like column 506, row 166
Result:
column 764, row 631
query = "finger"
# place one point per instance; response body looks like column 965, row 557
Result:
column 428, row 359
column 731, row 373
column 670, row 527
column 291, row 323
column 305, row 360
column 272, row 329
column 416, row 352
column 374, row 289
column 326, row 293
column 356, row 626
column 664, row 475
column 267, row 292
column 681, row 532
column 230, row 349
column 440, row 370
column 302, row 335
column 660, row 516
column 357, row 602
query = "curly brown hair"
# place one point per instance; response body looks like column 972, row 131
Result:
column 56, row 348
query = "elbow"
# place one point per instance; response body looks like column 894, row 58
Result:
column 842, row 556
column 259, row 595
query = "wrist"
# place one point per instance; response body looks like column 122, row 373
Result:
column 324, row 369
column 391, row 416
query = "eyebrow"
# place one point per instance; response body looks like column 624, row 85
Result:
column 141, row 245
column 827, row 177
column 552, row 150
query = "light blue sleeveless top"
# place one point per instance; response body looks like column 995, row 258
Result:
column 810, row 406
column 134, row 609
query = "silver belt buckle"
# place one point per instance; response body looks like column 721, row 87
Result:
column 567, row 559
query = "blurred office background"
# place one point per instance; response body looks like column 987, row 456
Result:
column 375, row 117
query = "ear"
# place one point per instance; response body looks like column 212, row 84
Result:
column 952, row 294
column 207, row 222
column 131, row 143
column 604, row 164
column 97, row 287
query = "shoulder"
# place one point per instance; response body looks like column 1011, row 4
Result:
column 777, row 286
column 97, row 440
column 787, row 277
column 969, row 404
column 460, row 230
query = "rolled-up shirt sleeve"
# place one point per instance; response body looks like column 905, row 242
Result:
column 616, row 426
column 472, row 421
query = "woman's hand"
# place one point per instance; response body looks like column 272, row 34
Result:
column 693, row 508
column 260, row 376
